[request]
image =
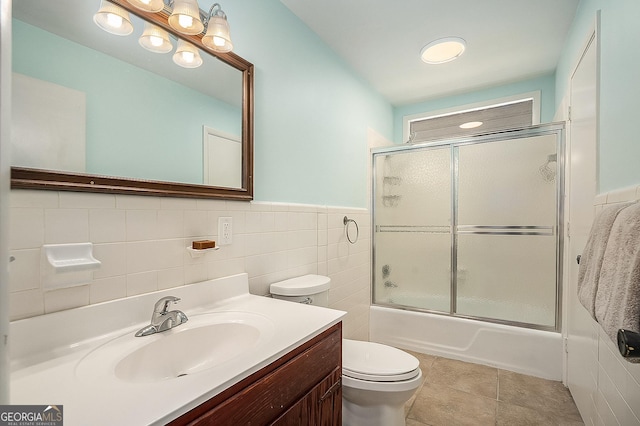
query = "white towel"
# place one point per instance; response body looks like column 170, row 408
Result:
column 592, row 255
column 618, row 294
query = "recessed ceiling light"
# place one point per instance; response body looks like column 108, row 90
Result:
column 471, row 125
column 443, row 50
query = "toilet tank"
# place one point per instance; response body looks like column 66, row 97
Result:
column 309, row 289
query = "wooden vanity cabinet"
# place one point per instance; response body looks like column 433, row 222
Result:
column 302, row 387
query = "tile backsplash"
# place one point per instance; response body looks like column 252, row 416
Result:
column 141, row 242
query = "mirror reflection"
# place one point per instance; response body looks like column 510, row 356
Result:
column 90, row 102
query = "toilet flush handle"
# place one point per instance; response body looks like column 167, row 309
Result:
column 307, row 301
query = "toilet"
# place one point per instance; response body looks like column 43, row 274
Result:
column 377, row 380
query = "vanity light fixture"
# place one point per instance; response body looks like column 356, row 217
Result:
column 443, row 50
column 187, row 56
column 185, row 17
column 217, row 37
column 155, row 39
column 148, row 5
column 113, row 19
column 471, row 124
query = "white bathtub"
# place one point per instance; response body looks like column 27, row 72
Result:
column 527, row 351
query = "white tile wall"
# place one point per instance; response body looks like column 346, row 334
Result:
column 141, row 242
column 616, row 388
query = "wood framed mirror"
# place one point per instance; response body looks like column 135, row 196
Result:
column 141, row 151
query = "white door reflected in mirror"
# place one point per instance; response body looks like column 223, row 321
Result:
column 222, row 155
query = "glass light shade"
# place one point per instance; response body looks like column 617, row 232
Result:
column 217, row 37
column 155, row 39
column 187, row 56
column 113, row 19
column 185, row 17
column 443, row 50
column 148, row 5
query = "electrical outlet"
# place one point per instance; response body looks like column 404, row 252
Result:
column 225, row 231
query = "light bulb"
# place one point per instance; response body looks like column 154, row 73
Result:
column 185, row 21
column 188, row 57
column 218, row 41
column 114, row 21
column 156, row 41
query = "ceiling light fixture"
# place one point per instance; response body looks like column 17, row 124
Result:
column 113, row 19
column 443, row 50
column 217, row 37
column 187, row 56
column 471, row 124
column 185, row 17
column 148, row 5
column 155, row 39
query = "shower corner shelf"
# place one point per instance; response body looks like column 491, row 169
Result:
column 392, row 180
column 391, row 200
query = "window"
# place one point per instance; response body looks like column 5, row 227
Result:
column 491, row 117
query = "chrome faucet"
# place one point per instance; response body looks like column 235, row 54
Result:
column 162, row 319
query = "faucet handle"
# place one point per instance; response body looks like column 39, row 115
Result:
column 162, row 305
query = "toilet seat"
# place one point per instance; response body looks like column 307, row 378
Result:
column 377, row 363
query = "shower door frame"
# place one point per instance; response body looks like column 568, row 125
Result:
column 556, row 129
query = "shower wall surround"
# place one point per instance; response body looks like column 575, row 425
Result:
column 141, row 242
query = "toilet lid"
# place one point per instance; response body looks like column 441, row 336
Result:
column 376, row 362
column 301, row 286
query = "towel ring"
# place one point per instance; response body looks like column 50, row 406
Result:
column 346, row 222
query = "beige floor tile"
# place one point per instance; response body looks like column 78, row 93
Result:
column 438, row 405
column 538, row 394
column 411, row 422
column 426, row 360
column 472, row 378
column 510, row 415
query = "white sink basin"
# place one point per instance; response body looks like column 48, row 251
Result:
column 205, row 342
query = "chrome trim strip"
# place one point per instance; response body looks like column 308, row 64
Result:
column 547, row 231
column 505, row 227
column 428, row 229
column 455, row 178
column 536, row 234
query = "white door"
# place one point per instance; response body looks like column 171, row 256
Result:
column 222, row 155
column 5, row 136
column 582, row 357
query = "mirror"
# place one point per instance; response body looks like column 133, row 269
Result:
column 97, row 112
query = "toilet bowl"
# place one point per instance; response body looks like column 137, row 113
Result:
column 377, row 380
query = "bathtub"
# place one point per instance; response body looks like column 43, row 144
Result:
column 522, row 350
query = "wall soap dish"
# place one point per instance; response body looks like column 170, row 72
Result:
column 67, row 265
column 195, row 253
column 71, row 257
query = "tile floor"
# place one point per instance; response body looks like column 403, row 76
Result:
column 459, row 393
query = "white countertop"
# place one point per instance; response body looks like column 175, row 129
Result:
column 47, row 350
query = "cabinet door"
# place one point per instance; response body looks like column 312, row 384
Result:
column 321, row 406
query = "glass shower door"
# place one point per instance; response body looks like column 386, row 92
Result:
column 506, row 229
column 412, row 239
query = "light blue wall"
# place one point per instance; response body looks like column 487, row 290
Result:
column 117, row 138
column 311, row 111
column 619, row 149
column 544, row 84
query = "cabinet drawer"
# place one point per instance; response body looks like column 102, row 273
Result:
column 264, row 396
